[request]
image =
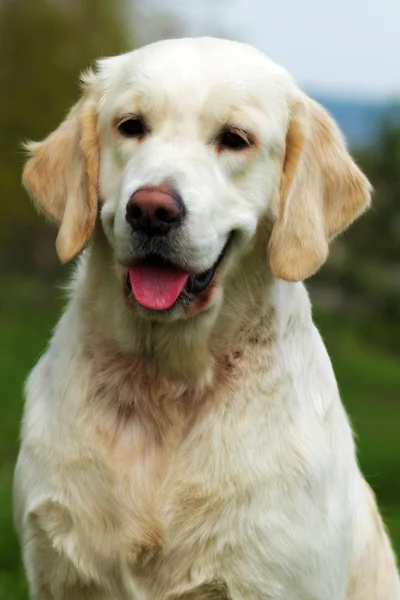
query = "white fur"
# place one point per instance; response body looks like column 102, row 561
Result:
column 231, row 473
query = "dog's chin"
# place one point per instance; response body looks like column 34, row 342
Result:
column 160, row 290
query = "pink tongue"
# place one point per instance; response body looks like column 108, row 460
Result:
column 155, row 287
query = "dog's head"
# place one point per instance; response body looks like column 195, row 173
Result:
column 182, row 148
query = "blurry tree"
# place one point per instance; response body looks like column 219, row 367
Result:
column 44, row 46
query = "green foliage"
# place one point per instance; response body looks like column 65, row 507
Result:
column 44, row 46
column 378, row 238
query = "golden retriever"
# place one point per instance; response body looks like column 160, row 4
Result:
column 183, row 435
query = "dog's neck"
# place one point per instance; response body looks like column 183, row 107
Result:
column 191, row 350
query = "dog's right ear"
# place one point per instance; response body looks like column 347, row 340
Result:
column 61, row 175
column 322, row 192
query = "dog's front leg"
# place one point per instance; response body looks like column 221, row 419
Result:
column 53, row 575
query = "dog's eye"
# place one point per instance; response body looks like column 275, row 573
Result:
column 133, row 127
column 234, row 140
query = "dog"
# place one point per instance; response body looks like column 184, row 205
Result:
column 183, row 436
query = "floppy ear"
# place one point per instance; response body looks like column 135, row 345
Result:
column 322, row 192
column 61, row 176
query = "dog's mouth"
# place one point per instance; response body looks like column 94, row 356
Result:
column 157, row 284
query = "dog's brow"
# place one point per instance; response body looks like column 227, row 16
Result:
column 128, row 104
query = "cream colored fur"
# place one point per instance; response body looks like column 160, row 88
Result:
column 203, row 455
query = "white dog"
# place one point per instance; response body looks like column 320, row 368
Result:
column 183, row 435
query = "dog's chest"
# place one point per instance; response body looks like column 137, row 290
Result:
column 187, row 529
column 187, row 517
column 171, row 494
column 188, row 510
column 189, row 493
column 167, row 516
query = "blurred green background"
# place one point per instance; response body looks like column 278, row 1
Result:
column 44, row 45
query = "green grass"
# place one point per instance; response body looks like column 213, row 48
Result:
column 369, row 379
column 369, row 382
column 27, row 314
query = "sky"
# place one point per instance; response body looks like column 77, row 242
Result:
column 338, row 46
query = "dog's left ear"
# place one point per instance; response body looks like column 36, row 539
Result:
column 322, row 192
column 61, row 175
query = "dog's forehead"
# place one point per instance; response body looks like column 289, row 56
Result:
column 193, row 69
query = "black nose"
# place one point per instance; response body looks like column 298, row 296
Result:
column 154, row 210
